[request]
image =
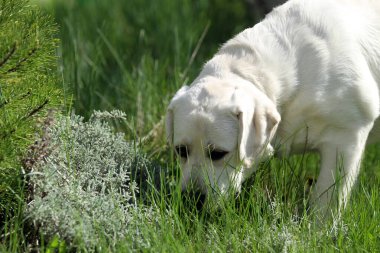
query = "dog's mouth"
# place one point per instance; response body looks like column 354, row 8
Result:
column 193, row 198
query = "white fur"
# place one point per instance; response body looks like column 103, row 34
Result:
column 308, row 75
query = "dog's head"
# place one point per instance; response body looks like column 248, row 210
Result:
column 220, row 129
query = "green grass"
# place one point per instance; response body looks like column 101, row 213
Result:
column 133, row 55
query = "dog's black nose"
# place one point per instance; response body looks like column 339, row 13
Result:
column 193, row 198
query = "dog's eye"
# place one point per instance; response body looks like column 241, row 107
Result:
column 216, row 155
column 182, row 151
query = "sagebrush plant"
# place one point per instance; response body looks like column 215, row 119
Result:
column 82, row 190
column 28, row 88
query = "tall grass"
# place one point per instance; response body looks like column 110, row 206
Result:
column 133, row 55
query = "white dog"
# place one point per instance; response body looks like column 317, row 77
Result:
column 307, row 76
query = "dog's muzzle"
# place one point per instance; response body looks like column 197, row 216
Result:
column 195, row 198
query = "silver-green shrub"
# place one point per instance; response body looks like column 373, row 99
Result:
column 82, row 189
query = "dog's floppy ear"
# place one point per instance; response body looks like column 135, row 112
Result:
column 257, row 126
column 169, row 113
column 169, row 125
column 266, row 121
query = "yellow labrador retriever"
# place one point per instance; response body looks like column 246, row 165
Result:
column 308, row 75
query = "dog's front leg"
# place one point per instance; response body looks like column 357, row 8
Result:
column 340, row 164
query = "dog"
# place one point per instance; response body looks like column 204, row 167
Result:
column 305, row 78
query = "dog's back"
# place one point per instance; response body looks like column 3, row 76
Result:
column 341, row 22
column 325, row 43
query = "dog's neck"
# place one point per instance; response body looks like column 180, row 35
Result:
column 248, row 58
